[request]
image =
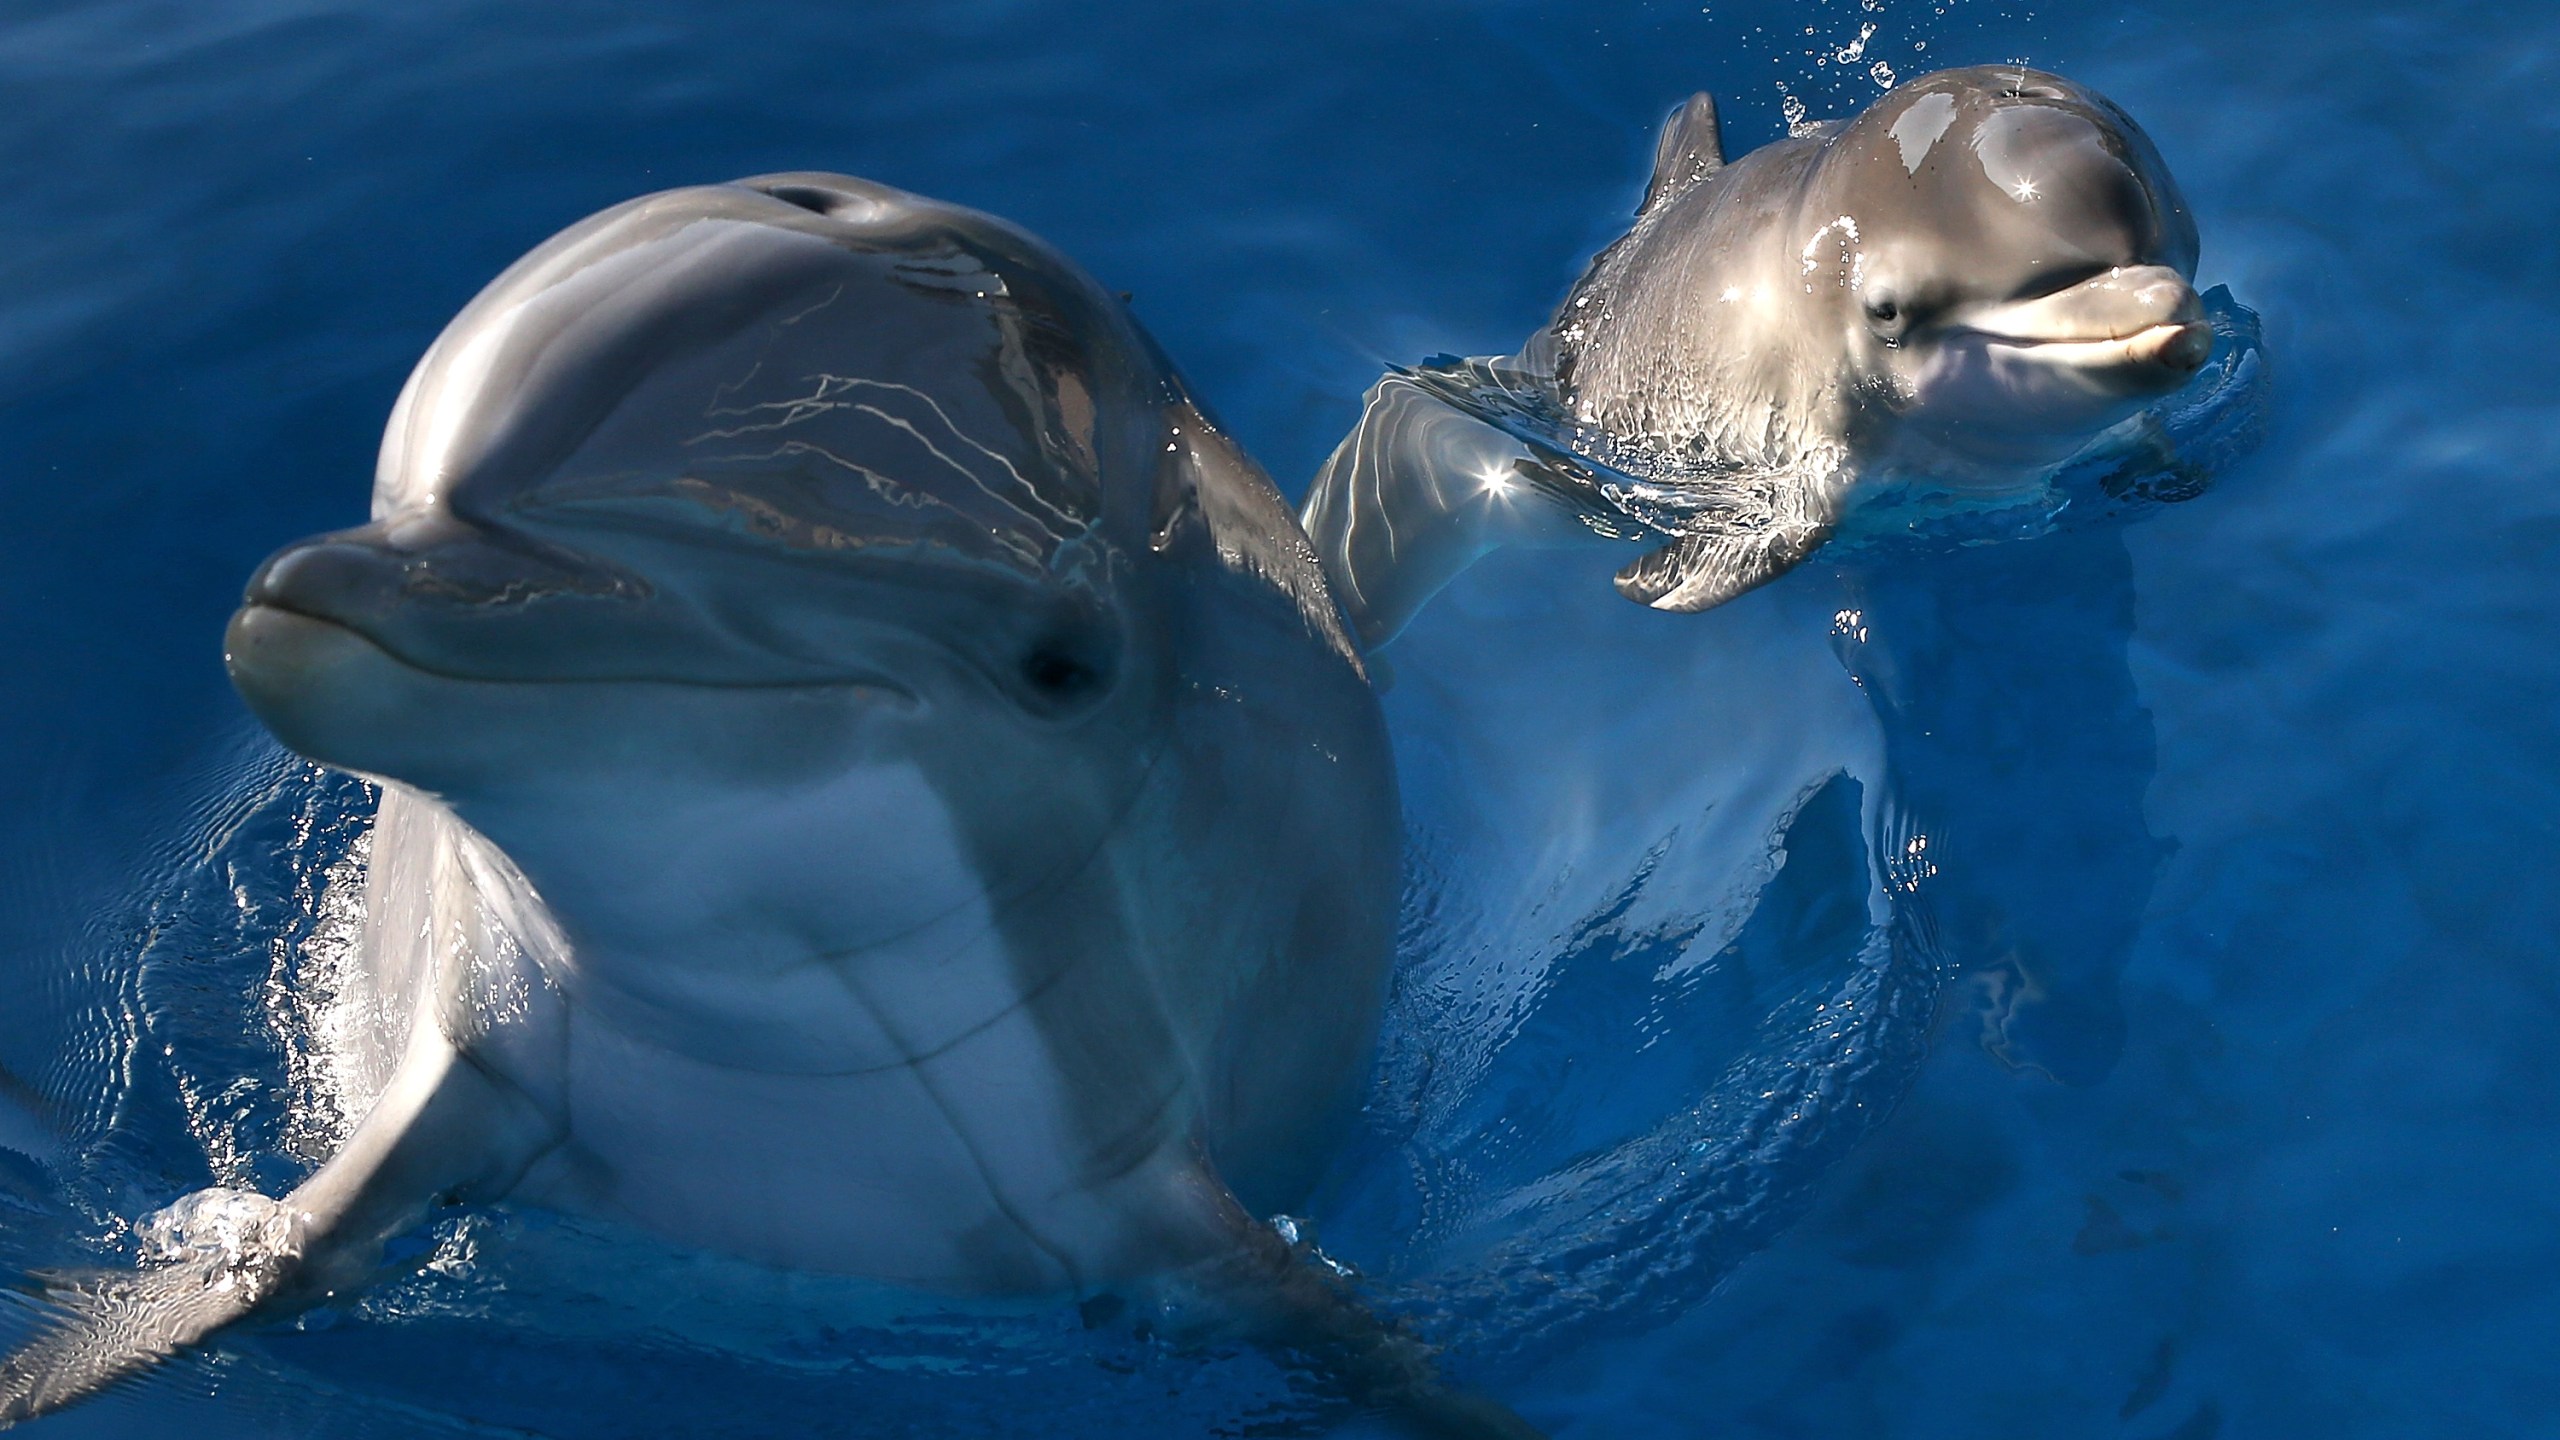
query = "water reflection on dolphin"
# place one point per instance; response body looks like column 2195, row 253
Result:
column 874, row 783
column 1959, row 312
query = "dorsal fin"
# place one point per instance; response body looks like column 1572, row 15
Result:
column 1691, row 146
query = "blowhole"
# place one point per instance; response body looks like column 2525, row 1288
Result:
column 811, row 198
column 1055, row 672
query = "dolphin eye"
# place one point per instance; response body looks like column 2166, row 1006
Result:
column 1885, row 316
column 1064, row 671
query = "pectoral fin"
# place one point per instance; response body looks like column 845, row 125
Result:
column 443, row 1127
column 1419, row 491
column 1700, row 572
column 110, row 1324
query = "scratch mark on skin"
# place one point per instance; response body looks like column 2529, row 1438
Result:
column 797, row 316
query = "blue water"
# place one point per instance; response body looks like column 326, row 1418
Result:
column 2201, row 1068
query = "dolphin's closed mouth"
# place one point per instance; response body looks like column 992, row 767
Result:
column 2144, row 315
column 2178, row 345
column 267, row 626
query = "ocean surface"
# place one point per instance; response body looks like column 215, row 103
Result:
column 2090, row 986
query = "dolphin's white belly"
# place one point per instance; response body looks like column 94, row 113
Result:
column 905, row 1110
column 965, row 1171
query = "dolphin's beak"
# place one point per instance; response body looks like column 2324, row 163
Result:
column 451, row 598
column 2141, row 327
column 465, row 601
column 342, row 641
column 428, row 652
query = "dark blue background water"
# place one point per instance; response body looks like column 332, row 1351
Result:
column 2238, row 1113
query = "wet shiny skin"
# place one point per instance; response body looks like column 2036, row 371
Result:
column 2319, row 1159
column 1978, row 282
column 923, row 971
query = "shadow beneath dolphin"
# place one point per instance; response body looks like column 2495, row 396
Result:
column 2012, row 726
column 1666, row 954
column 1691, row 897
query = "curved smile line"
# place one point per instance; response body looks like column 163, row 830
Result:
column 2183, row 343
column 862, row 680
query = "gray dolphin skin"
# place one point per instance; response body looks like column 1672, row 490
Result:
column 1959, row 291
column 874, row 782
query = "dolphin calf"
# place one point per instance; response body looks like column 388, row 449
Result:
column 1973, row 284
column 873, row 779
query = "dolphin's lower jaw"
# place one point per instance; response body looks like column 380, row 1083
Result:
column 333, row 693
column 326, row 691
column 2144, row 365
column 2133, row 333
column 2111, row 306
column 2181, row 347
column 2007, row 402
column 484, row 604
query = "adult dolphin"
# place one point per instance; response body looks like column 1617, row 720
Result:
column 1946, row 299
column 873, row 782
